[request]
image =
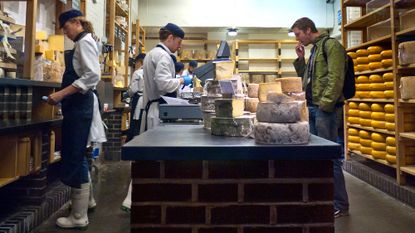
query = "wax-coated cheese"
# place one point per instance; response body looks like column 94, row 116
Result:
column 388, row 77
column 379, row 116
column 366, row 150
column 407, row 87
column 364, row 134
column 290, row 84
column 353, row 105
column 379, row 154
column 391, row 150
column 386, row 54
column 282, row 113
column 377, row 86
column 365, row 114
column 362, row 53
column 361, row 68
column 374, row 58
column 353, row 55
column 353, row 146
column 264, row 88
column 377, row 137
column 364, row 107
column 406, row 53
column 363, row 94
column 251, row 104
column 389, row 94
column 253, row 90
column 353, row 132
column 363, row 86
column 377, row 107
column 378, row 124
column 275, row 97
column 389, row 85
column 353, row 112
column 375, row 78
column 390, row 141
column 375, row 65
column 362, row 60
column 362, row 79
column 387, row 63
column 365, row 142
column 365, row 122
column 233, row 127
column 374, row 49
column 391, row 158
column 379, row 146
column 389, row 108
column 390, row 126
column 377, row 94
column 354, row 139
column 282, row 133
column 353, row 120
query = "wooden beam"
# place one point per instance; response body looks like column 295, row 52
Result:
column 30, row 34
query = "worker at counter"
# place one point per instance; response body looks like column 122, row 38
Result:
column 190, row 69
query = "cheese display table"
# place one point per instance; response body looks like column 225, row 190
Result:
column 187, row 180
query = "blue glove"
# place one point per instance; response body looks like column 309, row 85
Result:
column 187, row 80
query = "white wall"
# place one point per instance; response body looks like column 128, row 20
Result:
column 95, row 12
column 336, row 31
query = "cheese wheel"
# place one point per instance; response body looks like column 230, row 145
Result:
column 377, row 86
column 354, row 139
column 275, row 97
column 253, row 90
column 376, row 107
column 364, row 107
column 290, row 112
column 362, row 79
column 251, row 104
column 386, row 54
column 365, row 142
column 281, row 133
column 290, row 84
column 354, row 61
column 389, row 94
column 391, row 159
column 362, row 60
column 387, row 63
column 353, row 146
column 378, row 124
column 375, row 78
column 391, row 150
column 375, row 65
column 363, row 87
column 379, row 116
column 377, row 94
column 264, row 88
column 379, row 146
column 353, row 112
column 353, row 105
column 379, row 154
column 407, row 87
column 388, row 77
column 390, row 126
column 390, row 117
column 364, row 134
column 353, row 132
column 388, row 85
column 390, row 141
column 366, row 150
column 365, row 122
column 363, row 94
column 355, row 68
column 374, row 58
column 362, row 68
column 365, row 114
column 362, row 53
column 389, row 108
column 353, row 55
column 374, row 49
column 377, row 137
column 353, row 120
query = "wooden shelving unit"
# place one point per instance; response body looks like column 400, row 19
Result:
column 403, row 108
column 194, row 45
column 139, row 38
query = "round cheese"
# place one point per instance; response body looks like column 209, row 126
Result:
column 387, row 63
column 365, row 122
column 364, row 107
column 379, row 116
column 364, row 134
column 354, row 61
column 363, row 87
column 377, row 87
column 391, row 159
column 253, row 90
column 362, row 79
column 365, row 142
column 390, row 141
column 375, row 78
column 391, row 150
column 377, row 94
column 290, row 84
column 376, row 107
column 362, row 53
column 365, row 114
column 374, row 58
column 363, row 94
column 290, row 112
column 362, row 60
column 389, row 108
column 366, row 150
column 361, row 68
column 251, row 104
column 264, row 88
column 390, row 117
column 407, row 87
column 374, row 49
column 388, row 77
column 379, row 146
column 353, row 112
column 386, row 54
column 390, row 126
column 353, row 55
column 388, row 85
column 378, row 124
column 354, row 139
column 375, row 65
column 377, row 137
column 353, row 132
column 353, row 105
column 389, row 94
column 353, row 120
column 353, row 146
column 232, row 127
column 379, row 154
column 280, row 133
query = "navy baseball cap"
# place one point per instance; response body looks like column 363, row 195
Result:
column 175, row 30
column 140, row 56
column 193, row 64
column 67, row 15
column 178, row 66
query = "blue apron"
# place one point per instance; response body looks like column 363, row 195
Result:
column 134, row 124
column 77, row 111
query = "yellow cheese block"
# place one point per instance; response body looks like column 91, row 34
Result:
column 56, row 42
column 365, row 122
column 390, row 141
column 362, row 53
column 379, row 154
column 365, row 142
column 355, row 68
column 390, row 117
column 391, row 150
column 353, row 146
column 251, row 104
column 377, row 94
column 388, row 77
column 366, row 150
column 363, row 87
column 388, row 85
column 353, row 112
column 387, row 63
column 389, row 108
column 354, row 139
column 391, row 159
column 364, row 134
column 374, row 58
column 379, row 116
column 386, row 54
column 362, row 68
column 365, row 114
column 378, row 124
column 379, row 146
column 362, row 94
column 377, row 86
column 377, row 137
column 375, row 65
column 353, row 120
column 375, row 78
column 389, row 94
column 376, row 107
column 291, row 84
column 353, row 105
column 264, row 88
column 355, row 62
column 364, row 107
column 362, row 60
column 353, row 55
column 362, row 79
column 374, row 49
column 353, row 132
column 390, row 126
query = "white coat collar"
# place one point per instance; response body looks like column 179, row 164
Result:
column 164, row 46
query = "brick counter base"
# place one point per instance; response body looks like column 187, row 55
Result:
column 236, row 196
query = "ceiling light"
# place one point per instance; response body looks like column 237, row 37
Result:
column 232, row 31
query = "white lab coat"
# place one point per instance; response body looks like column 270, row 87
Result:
column 137, row 86
column 159, row 79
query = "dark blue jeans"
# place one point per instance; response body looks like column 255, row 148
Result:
column 324, row 124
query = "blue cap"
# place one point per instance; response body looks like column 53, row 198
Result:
column 67, row 15
column 140, row 56
column 193, row 64
column 175, row 30
column 178, row 66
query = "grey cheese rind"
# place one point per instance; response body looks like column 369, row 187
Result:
column 229, row 107
column 207, row 119
column 282, row 112
column 208, row 103
column 282, row 133
column 232, row 127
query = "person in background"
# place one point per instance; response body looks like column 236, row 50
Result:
column 179, row 67
column 190, row 69
column 323, row 79
column 79, row 108
column 135, row 91
column 160, row 74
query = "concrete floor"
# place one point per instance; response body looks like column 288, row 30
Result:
column 371, row 211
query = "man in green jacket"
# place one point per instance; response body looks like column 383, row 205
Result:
column 323, row 79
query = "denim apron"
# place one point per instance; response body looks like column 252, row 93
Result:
column 77, row 111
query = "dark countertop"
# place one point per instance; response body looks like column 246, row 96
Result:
column 193, row 142
column 27, row 83
column 14, row 126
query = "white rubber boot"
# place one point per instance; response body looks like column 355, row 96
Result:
column 78, row 217
column 91, row 203
column 126, row 204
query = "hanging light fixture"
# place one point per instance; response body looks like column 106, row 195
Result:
column 232, row 31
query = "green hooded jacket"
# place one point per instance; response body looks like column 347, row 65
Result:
column 328, row 77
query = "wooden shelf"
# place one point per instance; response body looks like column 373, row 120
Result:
column 384, row 131
column 408, row 67
column 6, row 181
column 374, row 71
column 404, row 3
column 287, row 72
column 370, row 18
column 381, row 161
column 7, row 19
column 411, row 101
column 406, row 32
column 408, row 135
column 258, row 59
column 8, row 66
column 380, row 40
column 258, row 41
column 355, row 2
column 258, row 71
column 371, row 100
column 410, row 169
column 120, row 27
column 119, row 11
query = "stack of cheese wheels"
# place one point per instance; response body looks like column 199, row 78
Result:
column 353, row 113
column 353, row 55
column 389, row 117
column 365, row 141
column 407, row 87
column 389, row 86
column 390, row 149
column 292, row 86
column 378, row 146
column 375, row 58
column 377, row 86
column 365, row 114
column 378, row 116
column 251, row 102
column 387, row 60
column 281, row 118
column 211, row 93
column 353, row 139
column 362, row 87
column 362, row 60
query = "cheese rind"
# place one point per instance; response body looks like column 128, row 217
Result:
column 283, row 112
column 374, row 49
column 253, row 90
column 386, row 54
column 233, row 127
column 407, row 87
column 229, row 107
column 208, row 103
column 282, row 133
column 212, row 88
column 290, row 84
column 207, row 119
column 264, row 88
column 275, row 97
column 251, row 104
column 406, row 53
